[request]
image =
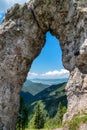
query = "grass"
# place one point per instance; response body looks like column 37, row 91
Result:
column 37, row 129
column 75, row 122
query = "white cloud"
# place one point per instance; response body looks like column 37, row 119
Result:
column 56, row 74
column 31, row 75
column 50, row 74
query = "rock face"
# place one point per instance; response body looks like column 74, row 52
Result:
column 83, row 126
column 22, row 36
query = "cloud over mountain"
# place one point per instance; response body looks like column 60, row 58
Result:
column 63, row 73
column 56, row 73
column 32, row 75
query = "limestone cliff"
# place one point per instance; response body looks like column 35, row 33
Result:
column 22, row 36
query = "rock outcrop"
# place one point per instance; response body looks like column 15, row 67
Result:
column 22, row 36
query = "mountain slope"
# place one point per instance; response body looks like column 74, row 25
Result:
column 33, row 87
column 50, row 81
column 49, row 96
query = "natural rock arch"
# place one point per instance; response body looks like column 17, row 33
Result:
column 22, row 36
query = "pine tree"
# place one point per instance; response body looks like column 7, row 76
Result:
column 59, row 116
column 38, row 118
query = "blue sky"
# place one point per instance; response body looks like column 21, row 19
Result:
column 49, row 63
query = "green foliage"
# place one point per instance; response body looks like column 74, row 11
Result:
column 60, row 113
column 75, row 122
column 46, row 116
column 22, row 119
column 56, row 122
column 37, row 91
column 50, row 97
column 38, row 118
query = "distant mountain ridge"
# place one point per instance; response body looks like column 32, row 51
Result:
column 49, row 81
column 33, row 87
column 36, row 89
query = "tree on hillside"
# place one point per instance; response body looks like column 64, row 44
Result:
column 59, row 116
column 60, row 113
column 38, row 118
column 22, row 119
column 56, row 122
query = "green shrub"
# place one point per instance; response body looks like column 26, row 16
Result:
column 75, row 122
column 56, row 122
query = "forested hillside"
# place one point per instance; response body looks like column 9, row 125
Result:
column 50, row 100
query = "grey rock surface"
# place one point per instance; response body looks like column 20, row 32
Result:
column 22, row 37
column 83, row 126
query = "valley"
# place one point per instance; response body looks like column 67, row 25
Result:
column 48, row 96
